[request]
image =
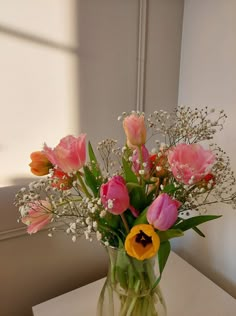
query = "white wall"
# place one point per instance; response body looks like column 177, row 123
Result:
column 208, row 77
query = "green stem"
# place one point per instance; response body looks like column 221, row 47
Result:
column 111, row 301
column 101, row 299
column 144, row 306
column 156, row 283
column 66, row 202
column 134, row 299
column 125, row 222
column 109, row 229
column 83, row 186
column 141, row 163
column 140, row 155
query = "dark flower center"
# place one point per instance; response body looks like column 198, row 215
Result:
column 142, row 238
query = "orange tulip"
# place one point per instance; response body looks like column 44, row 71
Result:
column 40, row 164
column 142, row 242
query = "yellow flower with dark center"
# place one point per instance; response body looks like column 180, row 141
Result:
column 142, row 242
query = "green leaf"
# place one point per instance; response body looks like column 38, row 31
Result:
column 169, row 188
column 198, row 231
column 90, row 180
column 170, row 233
column 129, row 218
column 109, row 226
column 195, row 221
column 147, row 181
column 91, row 153
column 121, row 276
column 137, row 195
column 112, row 220
column 128, row 172
column 151, row 195
column 142, row 218
column 94, row 164
column 163, row 254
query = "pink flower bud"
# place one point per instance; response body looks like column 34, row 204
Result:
column 135, row 130
column 163, row 212
column 190, row 163
column 114, row 195
column 141, row 162
column 69, row 155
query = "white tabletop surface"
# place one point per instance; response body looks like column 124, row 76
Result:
column 187, row 293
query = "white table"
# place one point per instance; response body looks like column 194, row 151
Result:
column 187, row 293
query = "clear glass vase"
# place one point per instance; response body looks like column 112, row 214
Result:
column 129, row 289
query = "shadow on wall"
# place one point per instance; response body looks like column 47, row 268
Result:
column 107, row 37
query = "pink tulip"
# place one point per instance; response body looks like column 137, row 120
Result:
column 163, row 212
column 141, row 163
column 190, row 163
column 114, row 195
column 135, row 130
column 69, row 155
column 39, row 215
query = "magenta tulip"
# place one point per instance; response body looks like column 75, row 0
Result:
column 69, row 155
column 163, row 212
column 114, row 195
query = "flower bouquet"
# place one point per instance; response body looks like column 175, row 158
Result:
column 132, row 199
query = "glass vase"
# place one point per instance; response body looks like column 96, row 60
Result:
column 130, row 288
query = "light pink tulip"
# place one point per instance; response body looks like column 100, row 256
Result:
column 190, row 163
column 69, row 155
column 163, row 212
column 38, row 215
column 145, row 159
column 114, row 195
column 135, row 130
